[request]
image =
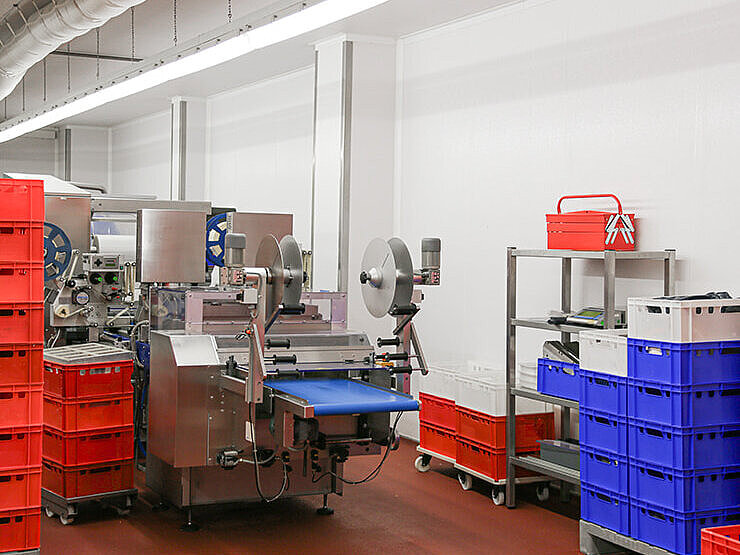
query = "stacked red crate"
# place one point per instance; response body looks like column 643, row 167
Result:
column 88, row 441
column 21, row 361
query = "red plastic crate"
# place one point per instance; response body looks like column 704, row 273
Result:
column 93, row 447
column 20, row 530
column 21, row 241
column 21, row 363
column 721, row 540
column 490, row 431
column 20, row 405
column 21, row 282
column 21, row 322
column 437, row 439
column 22, row 199
column 90, row 479
column 437, row 411
column 590, row 230
column 20, row 488
column 20, row 446
column 484, row 460
column 88, row 380
column 88, row 414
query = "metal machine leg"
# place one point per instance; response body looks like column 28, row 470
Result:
column 190, row 526
column 326, row 510
column 510, row 494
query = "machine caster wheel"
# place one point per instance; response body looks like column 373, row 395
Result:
column 543, row 493
column 422, row 463
column 66, row 520
column 122, row 512
column 160, row 507
column 498, row 496
column 49, row 512
column 466, row 480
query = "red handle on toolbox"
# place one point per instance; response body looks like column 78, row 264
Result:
column 606, row 195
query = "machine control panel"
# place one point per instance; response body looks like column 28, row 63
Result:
column 101, row 263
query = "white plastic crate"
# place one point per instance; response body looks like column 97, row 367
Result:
column 490, row 398
column 439, row 382
column 683, row 321
column 604, row 351
column 527, row 375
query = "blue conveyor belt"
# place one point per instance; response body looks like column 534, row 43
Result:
column 332, row 396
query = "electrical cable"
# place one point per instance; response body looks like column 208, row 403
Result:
column 286, row 480
column 376, row 471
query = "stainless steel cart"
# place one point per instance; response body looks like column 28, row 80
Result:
column 66, row 508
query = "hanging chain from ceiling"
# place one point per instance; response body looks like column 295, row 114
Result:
column 133, row 37
column 174, row 21
column 97, row 52
column 229, row 13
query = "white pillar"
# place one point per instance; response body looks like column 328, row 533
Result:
column 188, row 153
column 353, row 162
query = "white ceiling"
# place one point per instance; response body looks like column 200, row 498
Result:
column 394, row 19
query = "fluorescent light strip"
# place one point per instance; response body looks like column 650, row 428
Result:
column 305, row 21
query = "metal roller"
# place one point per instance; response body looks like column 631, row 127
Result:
column 387, row 276
column 292, row 270
column 270, row 256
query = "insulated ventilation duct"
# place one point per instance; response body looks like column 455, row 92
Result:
column 33, row 29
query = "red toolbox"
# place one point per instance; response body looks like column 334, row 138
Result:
column 590, row 230
column 21, row 363
column 21, row 241
column 88, row 380
column 88, row 414
column 22, row 282
column 20, row 488
column 490, row 431
column 438, row 440
column 92, row 447
column 23, row 199
column 20, row 446
column 91, row 479
column 21, row 322
column 20, row 405
column 437, row 411
column 20, row 530
column 484, row 460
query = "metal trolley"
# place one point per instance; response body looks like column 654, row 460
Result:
column 66, row 508
column 465, row 477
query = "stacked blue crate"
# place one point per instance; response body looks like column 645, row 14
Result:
column 683, row 409
column 603, row 441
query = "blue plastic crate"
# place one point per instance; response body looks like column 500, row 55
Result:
column 684, row 363
column 684, row 490
column 557, row 378
column 673, row 530
column 604, row 469
column 691, row 405
column 605, row 508
column 603, row 392
column 603, row 430
column 684, row 448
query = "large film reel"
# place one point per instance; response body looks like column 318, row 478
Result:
column 293, row 270
column 215, row 237
column 57, row 251
column 387, row 276
column 284, row 263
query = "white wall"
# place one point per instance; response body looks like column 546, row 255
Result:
column 140, row 156
column 89, row 155
column 260, row 149
column 501, row 114
column 29, row 155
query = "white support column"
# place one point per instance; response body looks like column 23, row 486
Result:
column 188, row 152
column 353, row 161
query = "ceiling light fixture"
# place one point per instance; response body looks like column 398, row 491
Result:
column 291, row 26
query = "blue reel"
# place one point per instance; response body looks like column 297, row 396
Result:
column 57, row 251
column 215, row 237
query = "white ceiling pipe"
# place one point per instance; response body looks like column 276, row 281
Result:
column 47, row 29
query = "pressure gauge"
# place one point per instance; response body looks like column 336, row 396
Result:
column 80, row 297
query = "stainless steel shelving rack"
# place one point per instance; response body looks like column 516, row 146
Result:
column 610, row 258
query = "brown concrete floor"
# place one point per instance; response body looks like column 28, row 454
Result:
column 401, row 511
